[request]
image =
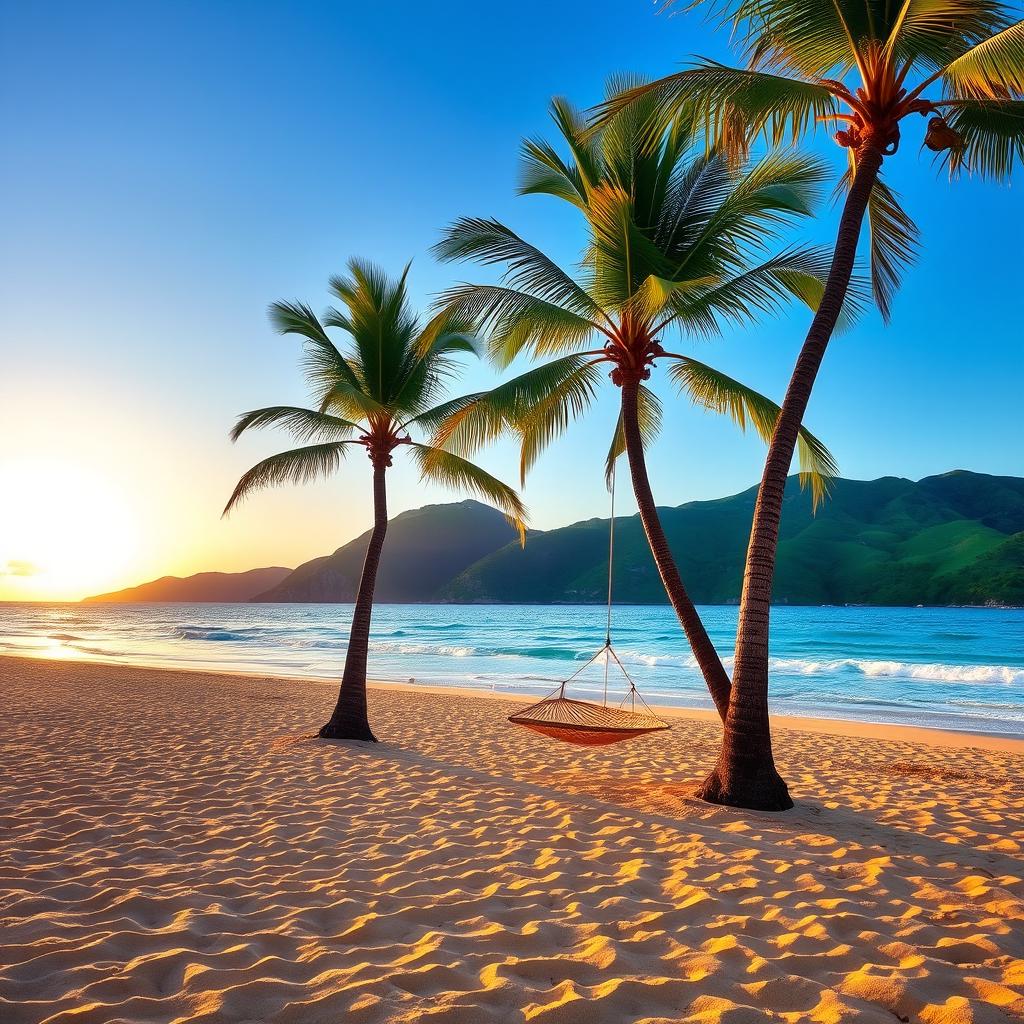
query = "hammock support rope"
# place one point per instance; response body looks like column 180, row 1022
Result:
column 584, row 722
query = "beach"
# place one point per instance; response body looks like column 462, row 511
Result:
column 176, row 846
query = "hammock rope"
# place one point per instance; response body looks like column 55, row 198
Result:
column 584, row 722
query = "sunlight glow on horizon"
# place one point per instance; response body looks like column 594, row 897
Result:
column 63, row 531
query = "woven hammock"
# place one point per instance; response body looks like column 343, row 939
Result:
column 583, row 722
column 590, row 725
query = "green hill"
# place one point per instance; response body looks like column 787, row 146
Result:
column 951, row 539
column 957, row 538
column 227, row 587
column 425, row 549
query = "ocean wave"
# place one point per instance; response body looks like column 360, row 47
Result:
column 444, row 650
column 212, row 633
column 878, row 669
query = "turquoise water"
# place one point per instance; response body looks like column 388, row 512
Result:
column 939, row 667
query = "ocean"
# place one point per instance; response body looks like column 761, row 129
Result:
column 950, row 668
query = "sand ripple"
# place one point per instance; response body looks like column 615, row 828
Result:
column 175, row 848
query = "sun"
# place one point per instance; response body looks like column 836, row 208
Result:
column 64, row 532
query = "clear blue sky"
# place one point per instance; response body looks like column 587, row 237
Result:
column 170, row 168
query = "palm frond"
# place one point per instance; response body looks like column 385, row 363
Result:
column 324, row 364
column 469, row 423
column 894, row 240
column 431, row 419
column 350, row 402
column 303, row 424
column 657, row 293
column 544, row 172
column 621, row 255
column 527, row 269
column 446, row 332
column 515, row 320
column 449, row 470
column 734, row 105
column 648, row 409
column 298, row 466
column 781, row 187
column 382, row 327
column 992, row 69
column 720, row 393
column 762, row 289
column 811, row 39
column 543, row 421
column 931, row 33
column 993, row 134
column 748, row 211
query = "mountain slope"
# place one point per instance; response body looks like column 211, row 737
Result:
column 957, row 538
column 227, row 587
column 424, row 550
column 949, row 539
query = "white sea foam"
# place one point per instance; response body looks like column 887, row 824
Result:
column 1009, row 675
column 449, row 650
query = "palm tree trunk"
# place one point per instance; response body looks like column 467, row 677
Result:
column 704, row 651
column 745, row 774
column 349, row 720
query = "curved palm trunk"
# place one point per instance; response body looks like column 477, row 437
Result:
column 704, row 651
column 745, row 774
column 349, row 720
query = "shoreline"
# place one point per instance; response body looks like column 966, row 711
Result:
column 841, row 727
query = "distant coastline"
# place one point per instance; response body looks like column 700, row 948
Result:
column 949, row 541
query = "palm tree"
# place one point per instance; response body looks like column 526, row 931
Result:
column 369, row 397
column 674, row 244
column 867, row 66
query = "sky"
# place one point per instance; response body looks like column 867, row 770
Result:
column 168, row 169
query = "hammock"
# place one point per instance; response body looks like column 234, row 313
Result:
column 584, row 722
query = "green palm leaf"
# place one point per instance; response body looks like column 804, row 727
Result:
column 621, row 255
column 544, row 172
column 468, row 423
column 648, row 410
column 546, row 419
column 894, row 241
column 734, row 105
column 381, row 326
column 761, row 290
column 390, row 379
column 303, row 424
column 515, row 320
column 526, row 267
column 443, row 467
column 446, row 334
column 347, row 401
column 431, row 419
column 298, row 466
column 780, row 188
column 810, row 39
column 992, row 69
column 993, row 134
column 720, row 393
column 324, row 364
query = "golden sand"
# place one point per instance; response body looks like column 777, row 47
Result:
column 175, row 848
